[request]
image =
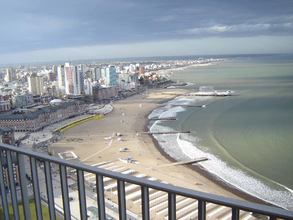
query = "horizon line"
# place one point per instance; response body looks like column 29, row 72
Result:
column 48, row 62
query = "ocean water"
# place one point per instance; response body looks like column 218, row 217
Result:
column 248, row 137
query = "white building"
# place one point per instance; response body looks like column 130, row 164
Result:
column 74, row 76
column 61, row 77
column 35, row 84
column 111, row 76
column 88, row 86
column 10, row 75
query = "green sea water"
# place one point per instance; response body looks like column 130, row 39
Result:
column 253, row 130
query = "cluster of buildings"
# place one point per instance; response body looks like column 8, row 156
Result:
column 32, row 97
column 25, row 86
column 26, row 92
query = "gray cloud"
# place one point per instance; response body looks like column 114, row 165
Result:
column 35, row 24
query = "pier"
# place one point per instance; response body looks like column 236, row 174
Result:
column 197, row 160
column 196, row 106
column 169, row 132
column 163, row 119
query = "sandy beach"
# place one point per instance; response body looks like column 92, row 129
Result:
column 129, row 118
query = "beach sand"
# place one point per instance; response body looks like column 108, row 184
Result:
column 129, row 118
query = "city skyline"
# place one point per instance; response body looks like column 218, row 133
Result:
column 49, row 31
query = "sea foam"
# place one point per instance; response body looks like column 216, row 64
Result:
column 187, row 146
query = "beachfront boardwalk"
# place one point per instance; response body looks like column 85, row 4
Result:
column 186, row 208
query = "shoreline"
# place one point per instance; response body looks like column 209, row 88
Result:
column 202, row 171
column 94, row 148
column 206, row 173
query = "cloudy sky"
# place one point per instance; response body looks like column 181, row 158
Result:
column 40, row 30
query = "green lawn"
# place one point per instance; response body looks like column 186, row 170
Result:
column 45, row 212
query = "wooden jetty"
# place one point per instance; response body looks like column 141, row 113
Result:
column 197, row 106
column 169, row 132
column 163, row 119
column 197, row 160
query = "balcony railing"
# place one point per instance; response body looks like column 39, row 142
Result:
column 21, row 183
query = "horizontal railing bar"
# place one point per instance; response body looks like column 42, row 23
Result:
column 221, row 200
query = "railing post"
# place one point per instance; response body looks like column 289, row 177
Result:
column 145, row 203
column 235, row 213
column 3, row 189
column 171, row 206
column 50, row 192
column 121, row 199
column 81, row 194
column 12, row 186
column 24, row 185
column 65, row 194
column 36, row 188
column 201, row 210
column 100, row 196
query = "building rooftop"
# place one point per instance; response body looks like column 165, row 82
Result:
column 34, row 112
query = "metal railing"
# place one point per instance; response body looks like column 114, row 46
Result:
column 15, row 187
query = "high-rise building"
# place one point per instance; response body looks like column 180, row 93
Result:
column 10, row 75
column 69, row 74
column 61, row 77
column 111, row 76
column 97, row 74
column 35, row 84
column 74, row 76
column 88, row 87
column 54, row 69
column 80, row 69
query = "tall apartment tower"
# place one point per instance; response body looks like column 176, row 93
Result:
column 54, row 68
column 61, row 77
column 10, row 75
column 111, row 76
column 80, row 69
column 97, row 74
column 35, row 84
column 74, row 76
